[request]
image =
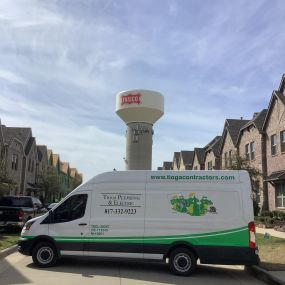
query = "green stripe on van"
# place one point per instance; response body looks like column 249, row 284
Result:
column 233, row 237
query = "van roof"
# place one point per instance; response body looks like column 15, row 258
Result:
column 167, row 176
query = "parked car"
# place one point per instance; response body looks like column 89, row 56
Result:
column 15, row 211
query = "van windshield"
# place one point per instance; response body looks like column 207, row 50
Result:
column 16, row 202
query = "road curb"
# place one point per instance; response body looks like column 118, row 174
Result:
column 264, row 275
column 7, row 251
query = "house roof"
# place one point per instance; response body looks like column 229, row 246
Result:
column 29, row 145
column 277, row 175
column 232, row 126
column 200, row 153
column 257, row 120
column 214, row 145
column 41, row 149
column 187, row 157
column 276, row 95
column 64, row 167
column 282, row 84
column 176, row 157
column 73, row 172
column 22, row 134
column 167, row 165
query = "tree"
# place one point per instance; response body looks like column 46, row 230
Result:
column 49, row 187
column 237, row 162
column 6, row 183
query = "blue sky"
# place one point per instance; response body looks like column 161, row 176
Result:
column 63, row 62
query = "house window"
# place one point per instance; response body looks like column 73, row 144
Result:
column 280, row 195
column 282, row 141
column 14, row 162
column 230, row 158
column 247, row 152
column 29, row 166
column 273, row 145
column 252, row 150
column 2, row 153
column 210, row 166
column 226, row 159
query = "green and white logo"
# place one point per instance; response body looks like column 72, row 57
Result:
column 191, row 205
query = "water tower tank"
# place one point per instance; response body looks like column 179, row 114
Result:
column 139, row 109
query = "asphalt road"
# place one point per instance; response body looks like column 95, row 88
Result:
column 19, row 269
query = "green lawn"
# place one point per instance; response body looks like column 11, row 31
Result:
column 8, row 239
column 271, row 252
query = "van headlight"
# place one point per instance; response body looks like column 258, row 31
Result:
column 28, row 225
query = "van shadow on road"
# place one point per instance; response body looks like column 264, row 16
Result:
column 148, row 272
column 11, row 275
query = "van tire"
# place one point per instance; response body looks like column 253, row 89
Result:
column 182, row 261
column 44, row 254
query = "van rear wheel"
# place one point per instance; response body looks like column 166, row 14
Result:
column 44, row 254
column 182, row 262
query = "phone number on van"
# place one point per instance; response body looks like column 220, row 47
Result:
column 121, row 211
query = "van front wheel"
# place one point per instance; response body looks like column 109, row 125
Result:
column 44, row 254
column 182, row 261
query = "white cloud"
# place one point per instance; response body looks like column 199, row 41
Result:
column 62, row 63
column 11, row 77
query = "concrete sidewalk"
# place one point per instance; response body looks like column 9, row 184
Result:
column 272, row 232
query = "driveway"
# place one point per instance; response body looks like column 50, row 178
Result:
column 19, row 269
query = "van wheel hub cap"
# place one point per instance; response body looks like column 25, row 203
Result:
column 182, row 262
column 45, row 255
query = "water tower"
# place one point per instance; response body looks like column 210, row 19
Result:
column 139, row 109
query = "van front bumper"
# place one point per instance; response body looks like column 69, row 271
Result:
column 25, row 246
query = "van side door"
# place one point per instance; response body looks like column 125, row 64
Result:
column 70, row 223
column 117, row 220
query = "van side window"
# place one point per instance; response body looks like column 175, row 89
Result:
column 72, row 209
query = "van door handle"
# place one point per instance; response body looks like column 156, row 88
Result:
column 82, row 224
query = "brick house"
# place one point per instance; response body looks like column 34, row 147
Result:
column 251, row 146
column 74, row 182
column 228, row 141
column 186, row 158
column 1, row 142
column 175, row 161
column 212, row 156
column 274, row 127
column 167, row 165
column 199, row 159
column 31, row 154
column 42, row 163
column 14, row 156
column 64, row 178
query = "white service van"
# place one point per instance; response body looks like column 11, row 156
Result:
column 171, row 216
